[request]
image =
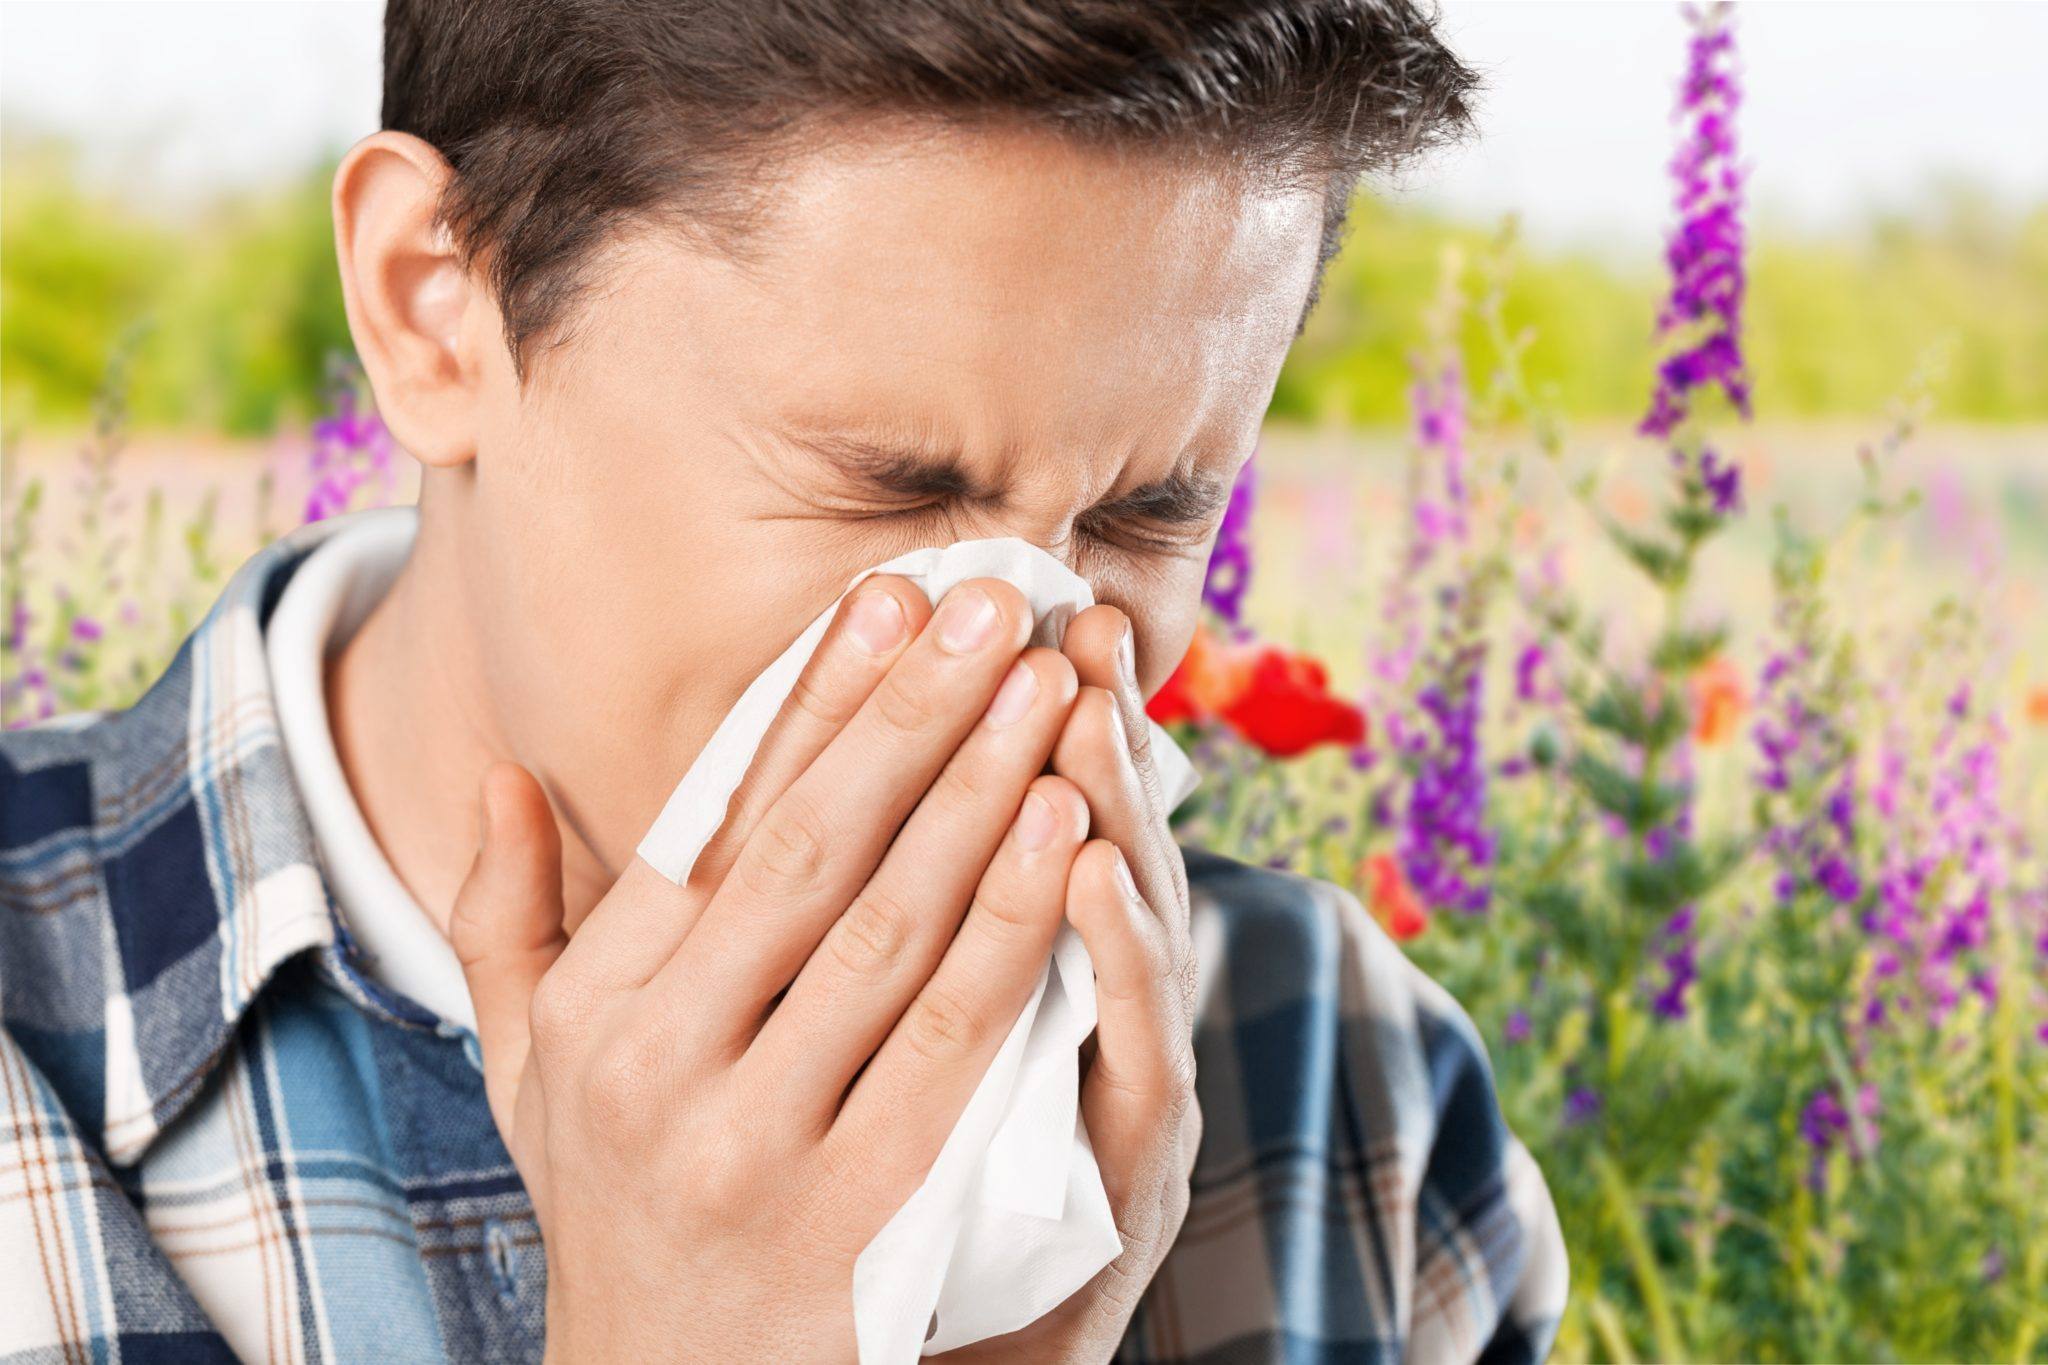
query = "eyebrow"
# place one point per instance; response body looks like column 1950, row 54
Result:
column 1186, row 496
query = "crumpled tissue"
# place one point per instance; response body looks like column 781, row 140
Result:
column 1013, row 1217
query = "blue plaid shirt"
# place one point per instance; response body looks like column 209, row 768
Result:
column 223, row 1138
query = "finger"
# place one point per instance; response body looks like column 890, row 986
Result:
column 1140, row 1085
column 506, row 926
column 822, row 839
column 1092, row 752
column 646, row 916
column 880, row 953
column 913, row 1091
column 1103, row 646
column 873, row 629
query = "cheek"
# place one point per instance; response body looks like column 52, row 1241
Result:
column 639, row 588
column 1164, row 614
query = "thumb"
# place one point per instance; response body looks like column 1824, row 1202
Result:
column 506, row 927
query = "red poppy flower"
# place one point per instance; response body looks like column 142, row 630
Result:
column 1174, row 700
column 1287, row 708
column 1393, row 902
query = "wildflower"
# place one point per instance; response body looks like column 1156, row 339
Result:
column 1517, row 1029
column 1723, row 482
column 1277, row 700
column 1581, row 1106
column 1681, row 966
column 1432, row 694
column 1230, row 561
column 1946, row 856
column 1530, row 664
column 1392, row 899
column 1825, row 1121
column 1444, row 839
column 1719, row 700
column 2037, row 706
column 1286, row 706
column 1175, row 700
column 1702, row 313
column 351, row 447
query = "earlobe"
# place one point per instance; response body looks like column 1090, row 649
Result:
column 408, row 295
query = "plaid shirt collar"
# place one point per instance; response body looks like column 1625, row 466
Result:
column 200, row 937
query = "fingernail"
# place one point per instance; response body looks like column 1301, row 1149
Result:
column 1127, row 656
column 1124, row 878
column 1037, row 822
column 875, row 621
column 967, row 620
column 1013, row 698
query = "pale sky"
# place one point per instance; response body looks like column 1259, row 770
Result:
column 1850, row 105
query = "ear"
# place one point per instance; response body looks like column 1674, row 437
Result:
column 422, row 324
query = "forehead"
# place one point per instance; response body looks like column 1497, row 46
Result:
column 993, row 287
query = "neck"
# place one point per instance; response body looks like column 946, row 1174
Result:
column 416, row 725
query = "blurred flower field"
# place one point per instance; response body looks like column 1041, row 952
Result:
column 1703, row 758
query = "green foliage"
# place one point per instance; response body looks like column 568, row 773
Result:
column 240, row 306
column 1833, row 322
column 231, row 312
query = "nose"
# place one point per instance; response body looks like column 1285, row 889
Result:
column 1051, row 531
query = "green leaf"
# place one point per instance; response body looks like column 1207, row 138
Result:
column 1631, row 716
column 1682, row 651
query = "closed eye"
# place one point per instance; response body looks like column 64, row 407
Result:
column 1177, row 510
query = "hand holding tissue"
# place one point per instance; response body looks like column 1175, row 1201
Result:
column 1012, row 1217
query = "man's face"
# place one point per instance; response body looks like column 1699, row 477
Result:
column 1088, row 341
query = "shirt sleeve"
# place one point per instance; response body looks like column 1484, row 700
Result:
column 1358, row 1195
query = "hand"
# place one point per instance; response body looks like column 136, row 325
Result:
column 1138, row 1097
column 718, row 1093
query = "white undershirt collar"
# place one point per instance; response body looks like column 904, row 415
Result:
column 324, row 602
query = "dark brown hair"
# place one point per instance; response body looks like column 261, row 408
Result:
column 565, row 119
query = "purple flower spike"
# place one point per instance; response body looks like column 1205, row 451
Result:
column 1703, row 312
column 1230, row 561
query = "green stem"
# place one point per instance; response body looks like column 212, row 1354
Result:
column 1621, row 1207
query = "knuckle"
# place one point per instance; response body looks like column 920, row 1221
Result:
column 808, row 700
column 1180, row 1082
column 1137, row 738
column 559, row 1005
column 786, row 855
column 965, row 783
column 1010, row 917
column 941, row 1027
column 1174, row 1209
column 466, row 925
column 1187, row 976
column 873, row 933
column 722, row 1176
column 1192, row 1130
column 621, row 1083
column 901, row 707
column 1125, row 1279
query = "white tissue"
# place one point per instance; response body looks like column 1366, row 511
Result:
column 1012, row 1218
